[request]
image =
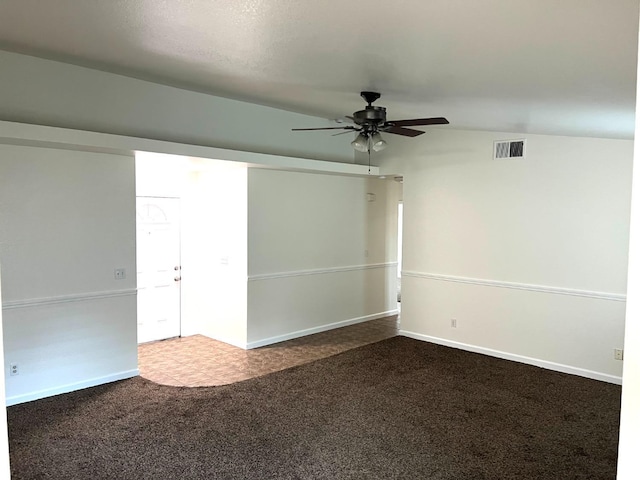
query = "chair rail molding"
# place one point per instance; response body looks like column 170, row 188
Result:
column 616, row 297
column 76, row 297
column 321, row 271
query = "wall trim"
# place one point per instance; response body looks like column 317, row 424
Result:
column 76, row 297
column 616, row 297
column 27, row 134
column 70, row 387
column 558, row 367
column 322, row 328
column 320, row 271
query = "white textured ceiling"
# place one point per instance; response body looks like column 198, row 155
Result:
column 564, row 67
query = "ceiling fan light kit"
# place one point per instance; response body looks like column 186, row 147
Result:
column 373, row 120
column 377, row 143
column 361, row 143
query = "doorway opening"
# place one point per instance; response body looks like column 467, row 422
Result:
column 191, row 247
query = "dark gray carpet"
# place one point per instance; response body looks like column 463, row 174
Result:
column 399, row 409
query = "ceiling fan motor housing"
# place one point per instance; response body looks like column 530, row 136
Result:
column 370, row 116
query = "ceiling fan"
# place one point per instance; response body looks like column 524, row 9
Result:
column 373, row 120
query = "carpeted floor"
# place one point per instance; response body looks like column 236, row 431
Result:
column 399, row 409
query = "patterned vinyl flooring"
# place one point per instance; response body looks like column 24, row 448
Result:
column 199, row 361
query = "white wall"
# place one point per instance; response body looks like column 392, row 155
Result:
column 214, row 253
column 529, row 256
column 43, row 92
column 318, row 253
column 630, row 417
column 4, row 438
column 628, row 462
column 67, row 220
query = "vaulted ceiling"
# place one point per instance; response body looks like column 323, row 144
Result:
column 565, row 67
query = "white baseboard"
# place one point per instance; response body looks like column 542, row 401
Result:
column 558, row 367
column 321, row 328
column 70, row 387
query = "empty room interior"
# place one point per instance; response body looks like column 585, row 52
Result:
column 221, row 255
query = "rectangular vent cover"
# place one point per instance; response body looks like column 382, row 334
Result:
column 508, row 149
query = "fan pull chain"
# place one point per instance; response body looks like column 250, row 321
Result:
column 369, row 152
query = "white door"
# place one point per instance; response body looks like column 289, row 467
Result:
column 158, row 267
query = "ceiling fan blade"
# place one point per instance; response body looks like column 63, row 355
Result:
column 349, row 127
column 405, row 132
column 420, row 121
column 348, row 131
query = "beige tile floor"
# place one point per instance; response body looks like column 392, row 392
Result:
column 199, row 361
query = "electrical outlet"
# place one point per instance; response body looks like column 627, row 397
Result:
column 120, row 273
column 13, row 369
column 618, row 353
column 454, row 323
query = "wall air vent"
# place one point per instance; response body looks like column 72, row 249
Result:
column 508, row 149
